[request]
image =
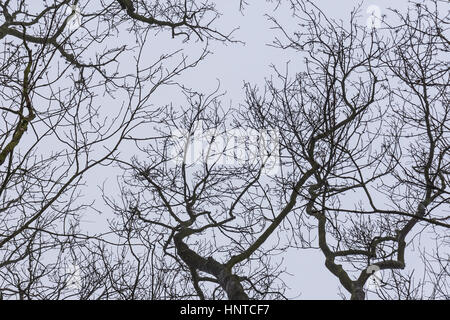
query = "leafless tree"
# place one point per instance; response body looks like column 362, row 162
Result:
column 364, row 149
column 366, row 124
column 60, row 77
column 347, row 154
column 198, row 208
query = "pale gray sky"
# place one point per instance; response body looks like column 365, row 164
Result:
column 233, row 64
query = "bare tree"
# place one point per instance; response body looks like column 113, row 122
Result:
column 198, row 208
column 363, row 142
column 348, row 154
column 59, row 68
column 368, row 119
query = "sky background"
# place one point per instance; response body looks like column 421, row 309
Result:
column 233, row 64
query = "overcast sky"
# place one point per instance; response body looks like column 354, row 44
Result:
column 233, row 64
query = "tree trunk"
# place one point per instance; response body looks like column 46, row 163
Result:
column 358, row 293
column 228, row 281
